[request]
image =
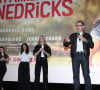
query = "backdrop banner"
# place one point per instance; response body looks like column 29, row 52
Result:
column 25, row 20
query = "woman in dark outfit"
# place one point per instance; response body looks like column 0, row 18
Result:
column 3, row 68
column 23, row 70
column 41, row 51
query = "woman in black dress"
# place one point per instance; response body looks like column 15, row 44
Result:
column 3, row 68
column 24, row 70
column 41, row 51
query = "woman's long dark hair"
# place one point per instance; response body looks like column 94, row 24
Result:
column 27, row 48
column 5, row 55
column 3, row 49
column 39, row 42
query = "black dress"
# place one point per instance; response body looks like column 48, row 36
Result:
column 3, row 69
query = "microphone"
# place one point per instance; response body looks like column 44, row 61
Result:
column 42, row 46
column 78, row 35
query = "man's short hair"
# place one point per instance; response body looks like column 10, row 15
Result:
column 80, row 22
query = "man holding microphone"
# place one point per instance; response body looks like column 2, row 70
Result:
column 80, row 42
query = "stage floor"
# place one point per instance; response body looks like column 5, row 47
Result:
column 52, row 86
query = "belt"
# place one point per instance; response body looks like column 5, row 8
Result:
column 79, row 52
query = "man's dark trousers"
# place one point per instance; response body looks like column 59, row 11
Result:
column 78, row 59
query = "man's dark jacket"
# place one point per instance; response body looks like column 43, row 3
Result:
column 86, row 45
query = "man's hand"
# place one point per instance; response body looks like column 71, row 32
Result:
column 67, row 39
column 82, row 38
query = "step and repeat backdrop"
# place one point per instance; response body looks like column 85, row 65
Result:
column 25, row 20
